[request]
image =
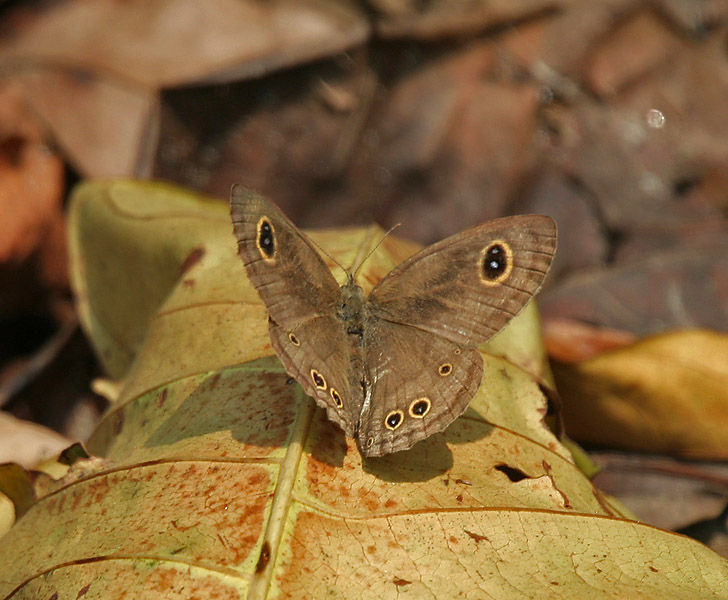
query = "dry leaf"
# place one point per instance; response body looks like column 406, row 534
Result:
column 570, row 341
column 93, row 70
column 31, row 187
column 27, row 443
column 666, row 394
column 678, row 288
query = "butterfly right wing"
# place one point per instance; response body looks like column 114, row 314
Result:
column 419, row 384
column 301, row 295
column 468, row 286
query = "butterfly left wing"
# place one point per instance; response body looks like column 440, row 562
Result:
column 316, row 355
column 418, row 385
column 468, row 286
column 301, row 295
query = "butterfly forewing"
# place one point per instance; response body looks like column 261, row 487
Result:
column 468, row 286
column 420, row 383
column 291, row 278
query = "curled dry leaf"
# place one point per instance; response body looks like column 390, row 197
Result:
column 570, row 341
column 27, row 443
column 664, row 394
column 221, row 478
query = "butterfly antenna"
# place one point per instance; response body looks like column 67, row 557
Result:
column 353, row 270
column 336, row 262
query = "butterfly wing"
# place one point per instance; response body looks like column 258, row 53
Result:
column 468, row 286
column 317, row 357
column 293, row 281
column 429, row 314
column 419, row 384
column 300, row 294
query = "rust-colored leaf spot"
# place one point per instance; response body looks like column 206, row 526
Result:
column 464, row 482
column 83, row 590
column 476, row 536
column 162, row 398
column 398, row 581
column 264, row 557
column 192, row 259
column 513, row 473
column 653, row 569
column 54, row 596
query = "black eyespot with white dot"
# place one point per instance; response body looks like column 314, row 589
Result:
column 394, row 419
column 496, row 262
column 293, row 339
column 265, row 241
column 445, row 369
column 420, row 407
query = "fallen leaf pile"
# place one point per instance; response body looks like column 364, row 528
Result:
column 220, row 477
column 609, row 116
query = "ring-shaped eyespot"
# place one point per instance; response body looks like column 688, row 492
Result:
column 394, row 419
column 495, row 263
column 370, row 442
column 336, row 398
column 445, row 369
column 265, row 239
column 319, row 381
column 293, row 339
column 420, row 407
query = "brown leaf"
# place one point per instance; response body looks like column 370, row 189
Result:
column 571, row 341
column 444, row 18
column 31, row 185
column 665, row 492
column 678, row 288
column 93, row 70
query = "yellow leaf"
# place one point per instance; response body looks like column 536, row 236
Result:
column 221, row 479
column 666, row 394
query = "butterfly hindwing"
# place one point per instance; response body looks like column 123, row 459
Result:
column 468, row 286
column 316, row 355
column 419, row 383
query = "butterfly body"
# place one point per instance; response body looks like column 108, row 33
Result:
column 400, row 364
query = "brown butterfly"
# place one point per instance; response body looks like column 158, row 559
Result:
column 397, row 366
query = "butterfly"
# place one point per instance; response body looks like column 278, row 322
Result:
column 402, row 363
